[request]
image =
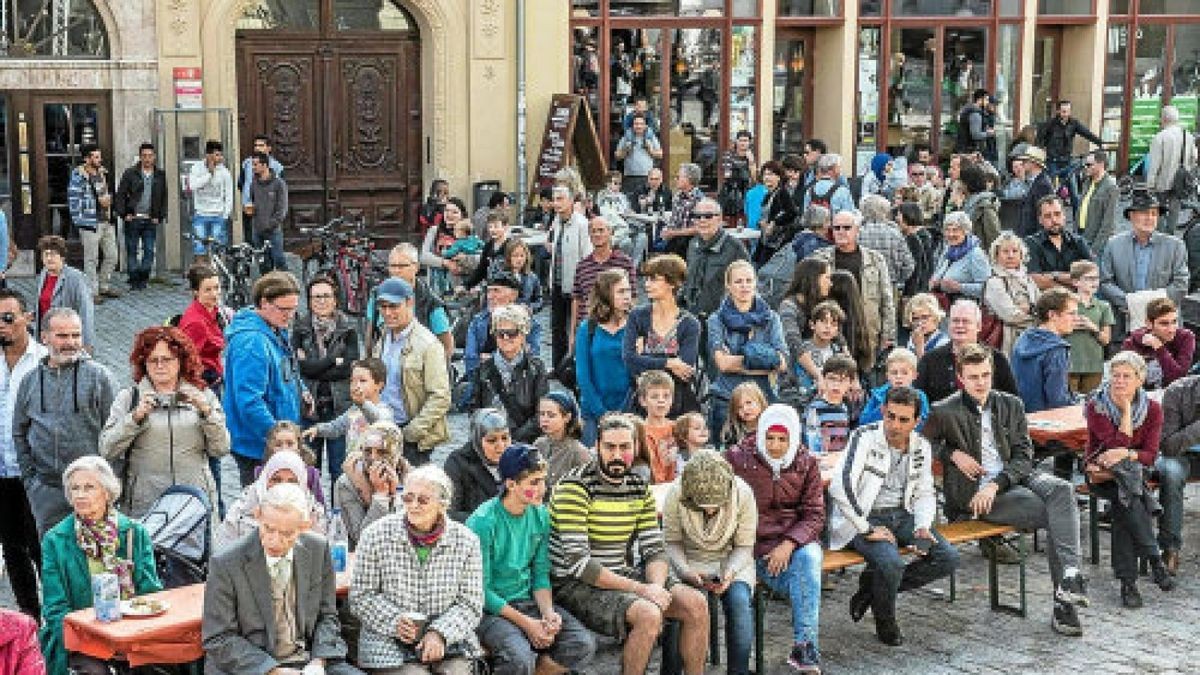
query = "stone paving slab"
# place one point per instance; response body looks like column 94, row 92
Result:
column 941, row 637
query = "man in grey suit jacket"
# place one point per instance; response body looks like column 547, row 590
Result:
column 1167, row 149
column 1098, row 202
column 1143, row 259
column 276, row 581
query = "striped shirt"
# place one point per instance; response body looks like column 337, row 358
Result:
column 589, row 269
column 596, row 525
column 826, row 426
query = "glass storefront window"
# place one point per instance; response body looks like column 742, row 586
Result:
column 791, row 70
column 742, row 88
column 585, row 8
column 695, row 101
column 1064, row 7
column 1008, row 59
column 1185, row 71
column 585, row 70
column 1113, row 105
column 867, row 98
column 1167, row 7
column 814, row 8
column 1148, row 63
column 964, row 53
column 870, row 8
column 1011, row 7
column 911, row 78
column 5, row 178
column 281, row 15
column 31, row 29
column 377, row 15
column 1116, row 7
column 1045, row 56
column 713, row 8
column 959, row 8
column 636, row 73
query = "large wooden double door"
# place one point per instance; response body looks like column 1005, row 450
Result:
column 344, row 117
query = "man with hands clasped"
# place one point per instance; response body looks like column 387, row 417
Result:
column 981, row 437
column 884, row 499
column 521, row 627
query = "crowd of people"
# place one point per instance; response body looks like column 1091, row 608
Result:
column 698, row 429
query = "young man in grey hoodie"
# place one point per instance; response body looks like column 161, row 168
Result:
column 58, row 414
column 269, row 207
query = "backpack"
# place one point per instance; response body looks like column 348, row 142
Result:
column 825, row 199
column 775, row 276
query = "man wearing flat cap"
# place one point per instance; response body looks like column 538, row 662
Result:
column 418, row 382
column 1039, row 186
column 503, row 289
column 1143, row 259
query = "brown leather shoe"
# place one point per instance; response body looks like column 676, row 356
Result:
column 1170, row 559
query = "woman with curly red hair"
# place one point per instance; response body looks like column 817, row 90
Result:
column 163, row 429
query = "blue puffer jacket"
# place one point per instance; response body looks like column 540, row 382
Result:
column 262, row 382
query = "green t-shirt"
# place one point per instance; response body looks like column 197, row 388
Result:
column 1087, row 355
column 516, row 553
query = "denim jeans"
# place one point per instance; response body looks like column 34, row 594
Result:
column 737, row 604
column 718, row 411
column 887, row 574
column 801, row 582
column 1058, row 169
column 1172, row 474
column 275, row 259
column 335, row 450
column 139, row 233
column 512, row 653
column 207, row 226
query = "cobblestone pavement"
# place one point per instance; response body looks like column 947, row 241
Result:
column 941, row 637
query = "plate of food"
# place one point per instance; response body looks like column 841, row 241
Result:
column 141, row 608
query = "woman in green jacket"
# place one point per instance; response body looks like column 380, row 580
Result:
column 95, row 539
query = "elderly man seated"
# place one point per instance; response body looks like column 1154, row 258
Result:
column 269, row 600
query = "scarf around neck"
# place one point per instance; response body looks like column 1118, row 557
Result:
column 1105, row 404
column 323, row 331
column 426, row 539
column 737, row 321
column 99, row 541
column 960, row 251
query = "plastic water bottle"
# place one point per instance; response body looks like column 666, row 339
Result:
column 106, row 597
column 339, row 541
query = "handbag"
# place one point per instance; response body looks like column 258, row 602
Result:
column 991, row 328
column 1184, row 183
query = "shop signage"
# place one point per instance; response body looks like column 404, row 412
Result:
column 189, row 88
column 570, row 138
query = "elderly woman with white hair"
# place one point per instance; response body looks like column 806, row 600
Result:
column 514, row 379
column 1124, row 429
column 924, row 315
column 1010, row 293
column 418, row 585
column 962, row 268
column 94, row 539
column 285, row 466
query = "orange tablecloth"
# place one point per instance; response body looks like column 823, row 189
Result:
column 172, row 638
column 1064, row 425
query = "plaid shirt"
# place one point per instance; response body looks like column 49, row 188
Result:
column 682, row 213
column 887, row 239
column 389, row 580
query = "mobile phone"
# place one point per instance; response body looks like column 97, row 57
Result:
column 922, row 544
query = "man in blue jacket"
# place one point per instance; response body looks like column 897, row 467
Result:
column 1042, row 355
column 262, row 383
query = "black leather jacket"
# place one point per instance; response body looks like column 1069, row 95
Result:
column 520, row 398
column 328, row 380
column 1058, row 138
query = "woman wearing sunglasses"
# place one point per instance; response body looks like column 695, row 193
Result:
column 427, row 569
column 514, row 379
column 372, row 479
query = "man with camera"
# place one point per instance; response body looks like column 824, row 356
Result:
column 980, row 435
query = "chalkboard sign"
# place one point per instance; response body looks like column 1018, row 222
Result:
column 570, row 138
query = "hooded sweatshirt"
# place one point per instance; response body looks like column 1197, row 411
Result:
column 1041, row 360
column 262, row 382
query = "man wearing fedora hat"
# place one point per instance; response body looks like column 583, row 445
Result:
column 1142, row 258
column 1039, row 186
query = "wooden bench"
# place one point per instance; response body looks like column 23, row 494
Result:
column 960, row 532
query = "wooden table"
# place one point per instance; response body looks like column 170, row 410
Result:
column 1064, row 426
column 170, row 639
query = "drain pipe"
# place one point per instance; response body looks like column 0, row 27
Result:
column 521, row 159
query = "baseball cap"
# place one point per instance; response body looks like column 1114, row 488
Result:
column 518, row 458
column 505, row 279
column 395, row 291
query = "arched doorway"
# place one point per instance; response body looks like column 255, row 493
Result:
column 336, row 86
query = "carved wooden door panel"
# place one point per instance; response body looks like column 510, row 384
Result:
column 374, row 138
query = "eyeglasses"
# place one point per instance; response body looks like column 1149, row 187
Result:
column 921, row 317
column 421, row 500
column 507, row 333
column 399, row 266
column 1090, row 277
column 161, row 360
column 321, row 296
column 841, row 228
column 285, row 310
column 702, row 215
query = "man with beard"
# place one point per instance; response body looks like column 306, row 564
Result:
column 58, row 414
column 608, row 561
column 18, row 531
column 1054, row 248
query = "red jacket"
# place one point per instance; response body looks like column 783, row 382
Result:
column 792, row 507
column 19, row 650
column 1174, row 358
column 1104, row 435
column 202, row 327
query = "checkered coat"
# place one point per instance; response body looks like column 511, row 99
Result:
column 389, row 580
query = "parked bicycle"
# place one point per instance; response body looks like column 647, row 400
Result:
column 237, row 266
column 347, row 257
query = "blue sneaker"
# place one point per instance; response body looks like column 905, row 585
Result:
column 805, row 658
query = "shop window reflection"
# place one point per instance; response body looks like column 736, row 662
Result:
column 585, row 71
column 695, row 109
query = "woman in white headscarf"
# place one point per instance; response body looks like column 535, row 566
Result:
column 284, row 466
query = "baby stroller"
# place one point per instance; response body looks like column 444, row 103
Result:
column 179, row 526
